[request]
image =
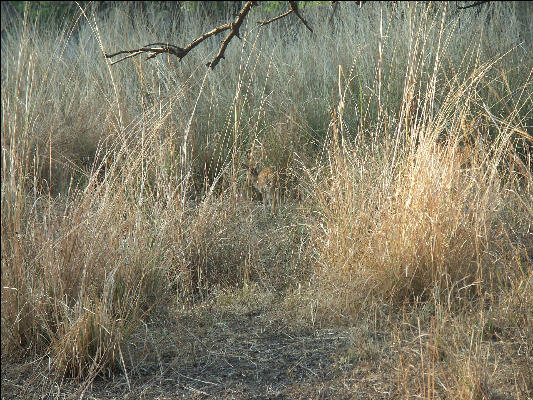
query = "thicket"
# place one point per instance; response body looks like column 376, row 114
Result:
column 402, row 136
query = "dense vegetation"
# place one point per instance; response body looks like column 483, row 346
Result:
column 401, row 135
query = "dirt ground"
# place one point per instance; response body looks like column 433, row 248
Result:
column 235, row 355
column 252, row 351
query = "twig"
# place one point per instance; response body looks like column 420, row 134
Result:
column 475, row 4
column 294, row 7
column 161, row 48
column 275, row 18
column 334, row 5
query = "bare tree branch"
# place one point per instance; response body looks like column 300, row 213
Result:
column 235, row 26
column 294, row 8
column 161, row 48
column 334, row 5
column 475, row 4
column 155, row 49
column 275, row 18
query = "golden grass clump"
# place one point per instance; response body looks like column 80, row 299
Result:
column 79, row 283
column 429, row 222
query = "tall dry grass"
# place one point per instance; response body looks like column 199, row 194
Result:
column 405, row 173
column 425, row 216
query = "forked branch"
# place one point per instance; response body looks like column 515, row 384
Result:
column 234, row 26
column 155, row 49
column 294, row 9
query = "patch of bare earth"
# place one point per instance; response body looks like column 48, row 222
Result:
column 256, row 352
column 232, row 355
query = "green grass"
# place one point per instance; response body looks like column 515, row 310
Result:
column 402, row 137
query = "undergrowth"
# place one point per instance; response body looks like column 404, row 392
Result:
column 401, row 136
